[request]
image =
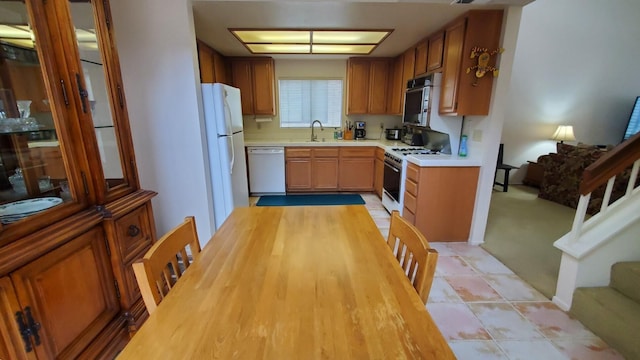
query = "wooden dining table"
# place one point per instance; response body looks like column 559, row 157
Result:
column 300, row 282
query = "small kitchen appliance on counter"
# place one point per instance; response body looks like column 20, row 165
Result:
column 393, row 134
column 360, row 131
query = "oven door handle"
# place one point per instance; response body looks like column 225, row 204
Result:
column 391, row 166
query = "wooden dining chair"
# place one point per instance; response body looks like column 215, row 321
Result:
column 165, row 262
column 411, row 249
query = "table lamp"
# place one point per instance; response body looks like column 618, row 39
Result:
column 564, row 132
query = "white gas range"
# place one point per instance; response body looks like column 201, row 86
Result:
column 395, row 166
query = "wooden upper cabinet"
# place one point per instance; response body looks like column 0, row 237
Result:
column 436, row 48
column 464, row 93
column 205, row 59
column 451, row 72
column 408, row 67
column 213, row 67
column 421, row 58
column 255, row 79
column 396, row 87
column 263, row 87
column 367, row 85
column 358, row 86
column 378, row 80
column 220, row 69
column 242, row 79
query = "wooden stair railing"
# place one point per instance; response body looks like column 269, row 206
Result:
column 604, row 170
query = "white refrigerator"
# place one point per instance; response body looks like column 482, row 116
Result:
column 225, row 143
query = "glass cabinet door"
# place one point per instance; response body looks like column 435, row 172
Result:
column 34, row 173
column 104, row 97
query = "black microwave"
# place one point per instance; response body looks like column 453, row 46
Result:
column 417, row 103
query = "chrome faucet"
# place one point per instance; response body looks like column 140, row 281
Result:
column 313, row 136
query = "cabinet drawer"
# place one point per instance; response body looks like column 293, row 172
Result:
column 297, row 152
column 134, row 233
column 357, row 151
column 410, row 202
column 409, row 216
column 326, row 153
column 413, row 172
column 411, row 187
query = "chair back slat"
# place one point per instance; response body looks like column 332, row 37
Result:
column 411, row 249
column 159, row 270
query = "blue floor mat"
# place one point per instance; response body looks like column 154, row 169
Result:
column 316, row 199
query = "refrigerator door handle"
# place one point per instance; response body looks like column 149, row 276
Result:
column 228, row 122
column 233, row 155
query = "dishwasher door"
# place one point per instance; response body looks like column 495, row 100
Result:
column 266, row 170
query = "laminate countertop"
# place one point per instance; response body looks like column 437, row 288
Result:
column 420, row 160
column 293, row 282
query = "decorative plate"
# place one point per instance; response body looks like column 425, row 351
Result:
column 28, row 207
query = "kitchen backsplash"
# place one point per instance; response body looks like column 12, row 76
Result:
column 259, row 129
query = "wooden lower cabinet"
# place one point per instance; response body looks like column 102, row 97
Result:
column 439, row 201
column 311, row 169
column 357, row 168
column 317, row 169
column 67, row 291
column 68, row 295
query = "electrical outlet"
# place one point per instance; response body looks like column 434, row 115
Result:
column 477, row 135
column 381, row 125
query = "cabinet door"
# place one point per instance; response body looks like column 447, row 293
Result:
column 103, row 104
column 12, row 345
column 241, row 73
column 71, row 294
column 220, row 68
column 396, row 90
column 325, row 174
column 205, row 59
column 379, row 177
column 356, row 174
column 378, row 85
column 263, row 99
column 436, row 47
column 454, row 41
column 408, row 67
column 358, row 86
column 421, row 58
column 298, row 174
column 33, row 85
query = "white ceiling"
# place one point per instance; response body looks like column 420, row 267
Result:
column 411, row 20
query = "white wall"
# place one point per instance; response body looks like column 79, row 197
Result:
column 576, row 63
column 156, row 44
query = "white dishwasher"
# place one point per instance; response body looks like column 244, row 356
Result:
column 266, row 170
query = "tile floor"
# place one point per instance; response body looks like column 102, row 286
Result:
column 486, row 312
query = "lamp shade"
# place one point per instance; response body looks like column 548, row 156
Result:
column 564, row 133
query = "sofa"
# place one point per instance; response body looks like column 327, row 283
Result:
column 562, row 174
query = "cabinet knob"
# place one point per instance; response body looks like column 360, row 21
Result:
column 133, row 230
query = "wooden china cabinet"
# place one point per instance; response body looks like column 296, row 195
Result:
column 72, row 215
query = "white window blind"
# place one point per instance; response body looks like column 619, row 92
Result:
column 302, row 101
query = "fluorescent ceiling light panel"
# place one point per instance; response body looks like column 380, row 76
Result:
column 273, row 36
column 14, row 32
column 308, row 41
column 85, row 35
column 349, row 37
column 343, row 49
column 279, row 48
column 25, row 43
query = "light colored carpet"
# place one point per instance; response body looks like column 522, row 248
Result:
column 521, row 229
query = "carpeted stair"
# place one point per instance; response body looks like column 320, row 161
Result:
column 613, row 312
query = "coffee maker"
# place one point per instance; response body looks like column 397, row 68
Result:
column 360, row 131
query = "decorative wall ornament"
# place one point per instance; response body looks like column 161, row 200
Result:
column 483, row 55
